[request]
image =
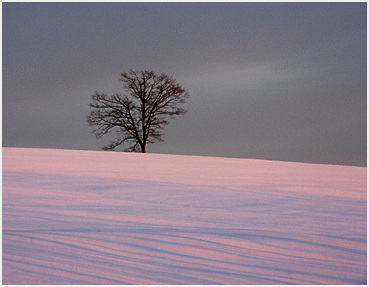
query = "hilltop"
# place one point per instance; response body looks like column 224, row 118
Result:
column 91, row 217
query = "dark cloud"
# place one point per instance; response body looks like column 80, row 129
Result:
column 283, row 81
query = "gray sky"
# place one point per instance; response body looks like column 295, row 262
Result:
column 279, row 81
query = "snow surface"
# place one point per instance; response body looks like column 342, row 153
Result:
column 88, row 217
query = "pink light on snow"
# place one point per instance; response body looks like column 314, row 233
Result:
column 84, row 217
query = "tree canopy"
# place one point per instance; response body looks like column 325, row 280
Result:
column 139, row 115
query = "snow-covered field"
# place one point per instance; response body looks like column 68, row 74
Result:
column 88, row 217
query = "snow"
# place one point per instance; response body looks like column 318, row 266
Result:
column 89, row 217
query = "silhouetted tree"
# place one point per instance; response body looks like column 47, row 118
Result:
column 139, row 115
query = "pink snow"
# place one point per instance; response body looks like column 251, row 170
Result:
column 89, row 217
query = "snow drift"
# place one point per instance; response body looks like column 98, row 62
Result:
column 87, row 217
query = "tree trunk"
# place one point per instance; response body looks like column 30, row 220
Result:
column 143, row 148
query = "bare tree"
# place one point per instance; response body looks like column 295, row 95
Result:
column 139, row 115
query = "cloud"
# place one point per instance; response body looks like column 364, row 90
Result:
column 236, row 78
